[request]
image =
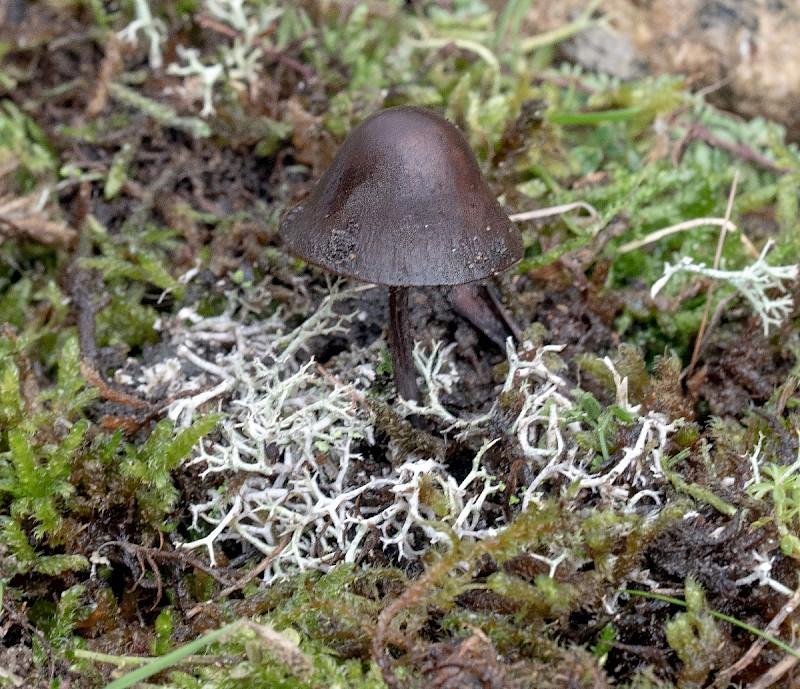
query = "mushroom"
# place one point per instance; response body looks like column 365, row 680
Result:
column 404, row 204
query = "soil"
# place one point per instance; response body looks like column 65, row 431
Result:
column 739, row 51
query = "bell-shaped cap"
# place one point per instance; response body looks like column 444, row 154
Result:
column 404, row 203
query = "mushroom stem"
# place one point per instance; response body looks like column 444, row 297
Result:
column 480, row 307
column 405, row 378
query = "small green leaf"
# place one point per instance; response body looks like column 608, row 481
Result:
column 56, row 565
column 118, row 172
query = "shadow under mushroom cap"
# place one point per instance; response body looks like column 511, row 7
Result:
column 404, row 203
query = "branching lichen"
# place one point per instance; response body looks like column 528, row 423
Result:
column 154, row 29
column 295, row 436
column 754, row 283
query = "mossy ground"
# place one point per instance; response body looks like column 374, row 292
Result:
column 129, row 217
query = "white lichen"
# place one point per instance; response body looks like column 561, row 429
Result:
column 154, row 30
column 208, row 75
column 436, row 381
column 754, row 283
column 293, row 434
column 762, row 574
column 239, row 63
column 310, row 488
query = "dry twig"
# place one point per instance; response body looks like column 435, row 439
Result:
column 717, row 257
column 21, row 218
column 110, row 67
column 752, row 653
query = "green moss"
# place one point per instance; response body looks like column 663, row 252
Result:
column 152, row 462
column 694, row 636
column 58, row 619
column 126, row 323
column 26, row 559
column 520, row 591
column 544, row 135
column 39, row 439
column 44, row 442
column 37, row 484
column 163, row 628
column 24, row 143
column 782, row 485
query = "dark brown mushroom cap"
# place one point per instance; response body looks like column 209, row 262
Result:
column 404, row 203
